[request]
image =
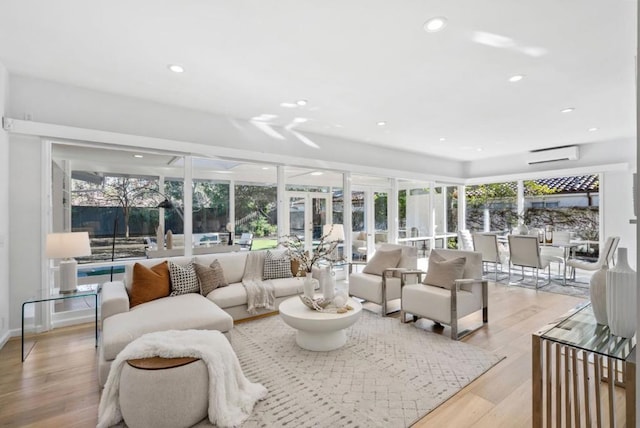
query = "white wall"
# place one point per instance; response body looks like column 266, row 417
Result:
column 25, row 211
column 4, row 213
column 592, row 156
column 49, row 102
column 617, row 209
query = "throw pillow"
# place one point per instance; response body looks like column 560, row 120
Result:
column 295, row 266
column 277, row 265
column 381, row 260
column 210, row 277
column 183, row 279
column 442, row 272
column 362, row 236
column 149, row 283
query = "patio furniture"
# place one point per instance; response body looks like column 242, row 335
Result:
column 245, row 241
column 605, row 258
column 524, row 251
column 466, row 293
column 487, row 244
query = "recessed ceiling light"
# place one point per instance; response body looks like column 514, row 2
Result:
column 176, row 68
column 435, row 24
column 288, row 105
column 479, row 149
column 567, row 110
column 265, row 168
column 443, row 139
column 138, row 156
column 593, row 129
column 382, row 123
column 224, row 172
column 316, row 173
column 516, row 78
column 301, row 102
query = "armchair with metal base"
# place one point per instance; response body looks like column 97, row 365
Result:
column 447, row 306
column 381, row 289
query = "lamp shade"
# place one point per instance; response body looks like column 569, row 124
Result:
column 333, row 232
column 66, row 245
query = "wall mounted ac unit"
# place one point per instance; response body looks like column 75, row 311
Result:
column 553, row 155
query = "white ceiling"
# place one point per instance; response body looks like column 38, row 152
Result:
column 357, row 62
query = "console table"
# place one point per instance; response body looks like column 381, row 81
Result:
column 577, row 365
column 83, row 291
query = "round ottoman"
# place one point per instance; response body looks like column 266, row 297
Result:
column 164, row 392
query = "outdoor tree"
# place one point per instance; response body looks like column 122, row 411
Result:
column 123, row 191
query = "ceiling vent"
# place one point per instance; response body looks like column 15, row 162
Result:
column 553, row 155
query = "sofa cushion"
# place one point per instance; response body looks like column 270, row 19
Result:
column 226, row 297
column 183, row 279
column 232, row 264
column 210, row 277
column 369, row 287
column 381, row 260
column 128, row 269
column 149, row 283
column 277, row 264
column 187, row 311
column 444, row 272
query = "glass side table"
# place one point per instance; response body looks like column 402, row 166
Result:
column 573, row 359
column 83, row 291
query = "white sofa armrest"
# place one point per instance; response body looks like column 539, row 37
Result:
column 113, row 300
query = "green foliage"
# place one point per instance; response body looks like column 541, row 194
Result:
column 261, row 227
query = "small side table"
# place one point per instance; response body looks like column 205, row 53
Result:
column 83, row 291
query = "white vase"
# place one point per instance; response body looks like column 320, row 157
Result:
column 309, row 285
column 598, row 294
column 328, row 287
column 621, row 297
column 160, row 237
column 522, row 229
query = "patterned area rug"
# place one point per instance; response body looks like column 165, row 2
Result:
column 388, row 374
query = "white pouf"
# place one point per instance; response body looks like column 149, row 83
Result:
column 169, row 396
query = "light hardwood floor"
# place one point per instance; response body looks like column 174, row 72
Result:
column 57, row 385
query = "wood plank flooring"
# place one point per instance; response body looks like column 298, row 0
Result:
column 57, row 385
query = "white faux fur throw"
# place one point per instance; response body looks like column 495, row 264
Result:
column 260, row 294
column 231, row 395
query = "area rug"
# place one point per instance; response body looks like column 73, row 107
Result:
column 388, row 374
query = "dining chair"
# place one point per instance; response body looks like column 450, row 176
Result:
column 605, row 258
column 524, row 251
column 556, row 252
column 487, row 244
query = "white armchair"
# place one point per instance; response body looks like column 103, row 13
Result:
column 459, row 290
column 380, row 281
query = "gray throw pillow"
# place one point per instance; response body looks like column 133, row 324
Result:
column 277, row 264
column 381, row 260
column 210, row 277
column 442, row 272
column 183, row 279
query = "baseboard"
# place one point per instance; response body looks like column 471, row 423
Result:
column 4, row 338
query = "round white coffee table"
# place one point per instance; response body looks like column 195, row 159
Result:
column 318, row 331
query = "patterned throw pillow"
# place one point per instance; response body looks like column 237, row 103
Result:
column 210, row 277
column 277, row 265
column 183, row 279
column 149, row 283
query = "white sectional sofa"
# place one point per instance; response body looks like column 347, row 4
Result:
column 121, row 324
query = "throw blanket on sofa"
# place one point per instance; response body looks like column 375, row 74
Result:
column 260, row 294
column 231, row 395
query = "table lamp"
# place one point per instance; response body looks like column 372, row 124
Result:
column 65, row 246
column 333, row 232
